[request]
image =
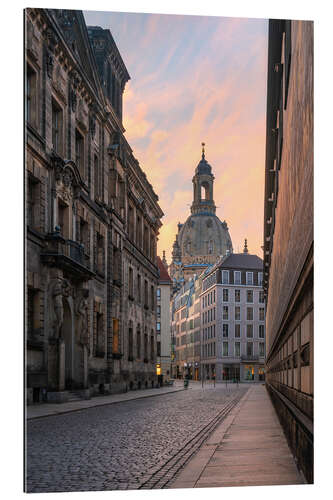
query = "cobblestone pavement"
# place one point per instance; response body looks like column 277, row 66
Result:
column 120, row 446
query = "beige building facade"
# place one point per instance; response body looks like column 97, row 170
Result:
column 92, row 218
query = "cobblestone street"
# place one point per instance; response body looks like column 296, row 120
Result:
column 123, row 445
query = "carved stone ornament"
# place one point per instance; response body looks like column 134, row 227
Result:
column 92, row 125
column 49, row 64
column 59, row 288
column 81, row 309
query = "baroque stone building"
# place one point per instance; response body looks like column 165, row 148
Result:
column 288, row 233
column 203, row 238
column 92, row 218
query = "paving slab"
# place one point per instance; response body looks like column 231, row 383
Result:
column 248, row 448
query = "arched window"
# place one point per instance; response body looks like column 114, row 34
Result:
column 204, row 191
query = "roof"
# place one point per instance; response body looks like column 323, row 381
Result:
column 242, row 261
column 164, row 275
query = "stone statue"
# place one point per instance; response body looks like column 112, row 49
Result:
column 82, row 321
column 56, row 294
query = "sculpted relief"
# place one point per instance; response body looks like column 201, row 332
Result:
column 59, row 288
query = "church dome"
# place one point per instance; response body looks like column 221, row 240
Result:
column 203, row 235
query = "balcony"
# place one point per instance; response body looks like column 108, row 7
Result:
column 68, row 255
column 249, row 357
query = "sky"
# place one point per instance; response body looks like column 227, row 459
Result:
column 196, row 79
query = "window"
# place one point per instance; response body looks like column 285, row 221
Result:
column 225, row 277
column 249, row 295
column 31, row 101
column 146, row 294
column 138, row 343
column 260, row 277
column 152, row 350
column 249, row 349
column 56, row 127
column 225, row 330
column 130, row 342
column 225, row 349
column 261, row 331
column 237, row 313
column 225, row 312
column 261, row 349
column 249, row 313
column 261, row 314
column 225, row 295
column 237, row 295
column 100, row 254
column 145, row 346
column 261, row 297
column 152, row 297
column 79, row 151
column 130, row 283
column 158, row 311
column 249, row 331
column 158, row 326
column 130, row 222
column 96, row 177
column 139, row 288
column 33, row 187
column 237, row 349
column 237, row 330
column 237, row 277
column 115, row 336
column 249, row 278
column 158, row 348
column 138, row 232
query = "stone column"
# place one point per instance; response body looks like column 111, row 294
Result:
column 56, row 371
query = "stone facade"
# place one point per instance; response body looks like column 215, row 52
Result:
column 203, row 238
column 288, row 233
column 92, row 218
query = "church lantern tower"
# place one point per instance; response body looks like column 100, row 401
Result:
column 203, row 184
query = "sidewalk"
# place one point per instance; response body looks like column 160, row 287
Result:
column 247, row 449
column 48, row 409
